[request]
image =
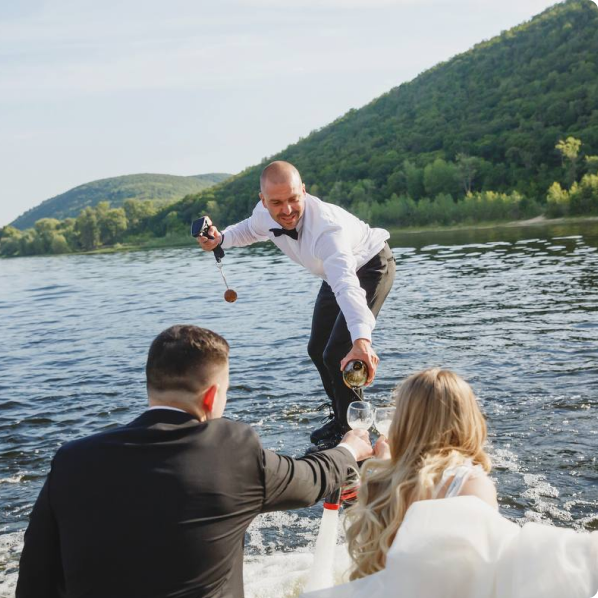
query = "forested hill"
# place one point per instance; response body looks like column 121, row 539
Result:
column 161, row 188
column 505, row 131
column 488, row 119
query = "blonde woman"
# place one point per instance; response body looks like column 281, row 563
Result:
column 426, row 522
column 435, row 450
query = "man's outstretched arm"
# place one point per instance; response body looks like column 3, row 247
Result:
column 248, row 231
column 294, row 483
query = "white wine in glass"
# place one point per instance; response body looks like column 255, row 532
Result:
column 360, row 415
column 383, row 419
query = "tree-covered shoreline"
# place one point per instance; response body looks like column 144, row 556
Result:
column 12, row 245
column 142, row 223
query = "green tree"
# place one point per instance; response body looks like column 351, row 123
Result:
column 584, row 196
column 362, row 193
column 67, row 228
column 213, row 210
column 10, row 241
column 137, row 211
column 45, row 225
column 441, row 177
column 88, row 231
column 468, row 168
column 414, row 177
column 45, row 229
column 112, row 224
column 172, row 222
column 58, row 244
column 396, row 183
column 338, row 195
column 557, row 201
column 592, row 164
column 101, row 209
column 569, row 150
column 31, row 243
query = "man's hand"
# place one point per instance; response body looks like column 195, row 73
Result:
column 362, row 350
column 210, row 244
column 359, row 441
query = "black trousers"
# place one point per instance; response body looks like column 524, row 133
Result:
column 330, row 340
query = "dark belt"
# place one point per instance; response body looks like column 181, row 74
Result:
column 384, row 254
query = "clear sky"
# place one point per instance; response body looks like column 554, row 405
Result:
column 93, row 89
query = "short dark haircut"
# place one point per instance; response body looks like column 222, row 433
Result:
column 182, row 357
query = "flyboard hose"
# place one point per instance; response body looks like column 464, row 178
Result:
column 199, row 228
column 321, row 575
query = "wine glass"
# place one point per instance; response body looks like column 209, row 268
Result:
column 383, row 419
column 360, row 415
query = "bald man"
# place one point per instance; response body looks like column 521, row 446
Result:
column 354, row 261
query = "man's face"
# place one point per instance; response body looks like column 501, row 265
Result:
column 220, row 378
column 285, row 202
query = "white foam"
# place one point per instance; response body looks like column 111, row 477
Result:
column 15, row 479
column 537, row 486
column 279, row 526
column 276, row 574
column 284, row 575
column 10, row 549
column 503, row 458
column 539, row 489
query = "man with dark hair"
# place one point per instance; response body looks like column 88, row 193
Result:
column 354, row 261
column 159, row 507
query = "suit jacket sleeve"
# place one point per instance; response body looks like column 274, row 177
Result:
column 294, row 483
column 40, row 568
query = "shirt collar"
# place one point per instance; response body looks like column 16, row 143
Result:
column 165, row 407
column 302, row 219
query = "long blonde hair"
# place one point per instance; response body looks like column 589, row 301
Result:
column 437, row 424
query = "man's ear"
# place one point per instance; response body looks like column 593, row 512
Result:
column 208, row 398
column 263, row 200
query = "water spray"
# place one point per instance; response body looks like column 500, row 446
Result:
column 321, row 574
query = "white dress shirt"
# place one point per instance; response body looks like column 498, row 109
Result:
column 333, row 244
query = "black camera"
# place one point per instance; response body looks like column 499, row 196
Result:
column 200, row 227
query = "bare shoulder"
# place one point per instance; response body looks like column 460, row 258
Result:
column 482, row 487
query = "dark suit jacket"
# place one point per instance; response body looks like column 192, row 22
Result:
column 159, row 508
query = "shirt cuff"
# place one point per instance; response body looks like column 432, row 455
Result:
column 349, row 448
column 361, row 331
column 224, row 243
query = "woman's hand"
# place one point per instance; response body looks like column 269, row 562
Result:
column 381, row 448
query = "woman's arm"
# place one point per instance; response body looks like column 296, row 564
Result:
column 482, row 487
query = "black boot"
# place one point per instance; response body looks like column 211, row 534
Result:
column 326, row 444
column 328, row 430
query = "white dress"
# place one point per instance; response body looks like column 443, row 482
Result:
column 460, row 547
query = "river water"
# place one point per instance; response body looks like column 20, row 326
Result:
column 514, row 310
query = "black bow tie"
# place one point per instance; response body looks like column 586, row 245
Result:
column 283, row 231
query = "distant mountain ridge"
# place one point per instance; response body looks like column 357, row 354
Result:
column 161, row 188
